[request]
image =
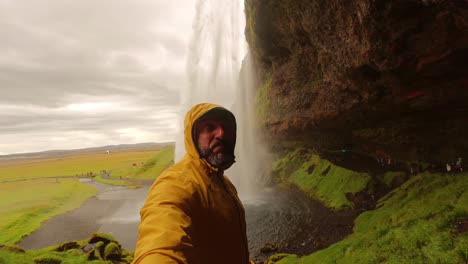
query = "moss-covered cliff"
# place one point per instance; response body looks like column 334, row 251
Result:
column 388, row 78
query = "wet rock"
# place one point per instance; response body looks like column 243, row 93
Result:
column 268, row 248
column 461, row 226
column 68, row 245
column 377, row 75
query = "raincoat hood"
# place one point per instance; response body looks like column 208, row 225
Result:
column 190, row 119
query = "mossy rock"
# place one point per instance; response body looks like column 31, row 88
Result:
column 75, row 251
column 11, row 248
column 275, row 258
column 67, row 246
column 127, row 259
column 96, row 237
column 112, row 252
column 47, row 260
column 94, row 255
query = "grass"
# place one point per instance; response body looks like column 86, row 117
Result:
column 73, row 165
column 390, row 178
column 104, row 251
column 321, row 179
column 154, row 166
column 24, row 205
column 114, row 182
column 419, row 222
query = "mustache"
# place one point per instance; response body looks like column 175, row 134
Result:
column 217, row 143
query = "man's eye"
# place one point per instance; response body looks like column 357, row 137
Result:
column 210, row 126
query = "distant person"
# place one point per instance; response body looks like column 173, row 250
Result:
column 192, row 213
column 458, row 165
column 448, row 167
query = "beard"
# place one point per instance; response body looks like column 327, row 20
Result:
column 222, row 160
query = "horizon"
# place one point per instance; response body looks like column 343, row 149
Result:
column 95, row 147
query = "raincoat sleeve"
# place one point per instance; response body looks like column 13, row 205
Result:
column 165, row 231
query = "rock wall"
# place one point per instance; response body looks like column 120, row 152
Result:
column 385, row 77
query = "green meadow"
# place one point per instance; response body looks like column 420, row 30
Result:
column 24, row 205
column 75, row 165
column 30, row 193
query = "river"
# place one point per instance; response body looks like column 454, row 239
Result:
column 287, row 219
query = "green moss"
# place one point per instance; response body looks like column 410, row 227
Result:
column 319, row 178
column 69, row 256
column 394, row 134
column 96, row 237
column 47, row 260
column 8, row 257
column 262, row 102
column 112, row 251
column 419, row 222
column 392, row 178
column 277, row 257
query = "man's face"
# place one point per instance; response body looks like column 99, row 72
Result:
column 216, row 140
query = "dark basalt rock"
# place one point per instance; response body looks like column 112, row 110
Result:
column 384, row 77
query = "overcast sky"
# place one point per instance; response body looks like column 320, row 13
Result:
column 76, row 74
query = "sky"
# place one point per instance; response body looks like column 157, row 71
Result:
column 77, row 74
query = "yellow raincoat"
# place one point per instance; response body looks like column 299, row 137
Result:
column 192, row 213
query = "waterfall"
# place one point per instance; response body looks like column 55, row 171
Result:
column 215, row 56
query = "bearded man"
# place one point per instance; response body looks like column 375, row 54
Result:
column 192, row 213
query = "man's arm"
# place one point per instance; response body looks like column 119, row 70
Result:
column 165, row 231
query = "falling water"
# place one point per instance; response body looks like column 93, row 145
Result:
column 216, row 52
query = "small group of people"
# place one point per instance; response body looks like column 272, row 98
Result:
column 455, row 166
column 384, row 161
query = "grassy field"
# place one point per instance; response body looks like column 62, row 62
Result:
column 70, row 166
column 154, row 166
column 319, row 178
column 422, row 221
column 24, row 205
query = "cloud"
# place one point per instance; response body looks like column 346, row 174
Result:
column 123, row 61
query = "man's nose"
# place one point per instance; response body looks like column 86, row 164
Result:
column 219, row 132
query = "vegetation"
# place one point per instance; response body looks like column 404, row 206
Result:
column 115, row 182
column 25, row 205
column 320, row 179
column 155, row 165
column 77, row 165
column 393, row 178
column 422, row 221
column 100, row 248
column 262, row 102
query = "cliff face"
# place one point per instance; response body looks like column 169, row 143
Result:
column 386, row 77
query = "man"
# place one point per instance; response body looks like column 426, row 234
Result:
column 192, row 213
